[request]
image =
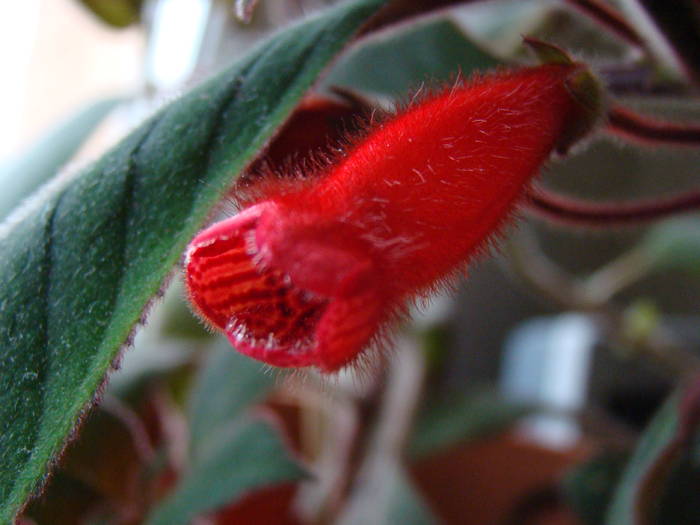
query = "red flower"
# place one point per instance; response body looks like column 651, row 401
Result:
column 311, row 275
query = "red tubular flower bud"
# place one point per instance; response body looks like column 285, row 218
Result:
column 309, row 276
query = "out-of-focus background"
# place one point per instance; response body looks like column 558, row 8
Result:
column 57, row 56
column 74, row 84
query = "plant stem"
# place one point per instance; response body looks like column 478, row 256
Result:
column 345, row 420
column 575, row 212
column 600, row 286
column 641, row 128
column 545, row 277
column 375, row 478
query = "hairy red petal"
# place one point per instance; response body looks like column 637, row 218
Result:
column 308, row 277
column 317, row 320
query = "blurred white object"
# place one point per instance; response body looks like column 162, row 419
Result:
column 178, row 28
column 547, row 363
column 16, row 42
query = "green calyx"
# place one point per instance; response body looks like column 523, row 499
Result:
column 583, row 85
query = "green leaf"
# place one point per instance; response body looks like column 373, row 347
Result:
column 78, row 270
column 253, row 458
column 467, row 416
column 227, row 386
column 657, row 457
column 229, row 453
column 651, row 447
column 589, row 487
column 394, row 63
column 20, row 176
column 674, row 244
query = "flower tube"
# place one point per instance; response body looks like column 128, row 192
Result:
column 312, row 274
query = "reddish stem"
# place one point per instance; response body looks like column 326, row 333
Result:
column 641, row 128
column 399, row 10
column 611, row 19
column 568, row 210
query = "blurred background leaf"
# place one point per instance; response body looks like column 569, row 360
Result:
column 227, row 386
column 116, row 13
column 253, row 457
column 393, row 63
column 60, row 506
column 406, row 504
column 449, row 420
column 21, row 175
column 112, row 468
column 674, row 244
column 589, row 487
column 230, row 454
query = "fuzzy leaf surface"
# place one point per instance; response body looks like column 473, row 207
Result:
column 77, row 272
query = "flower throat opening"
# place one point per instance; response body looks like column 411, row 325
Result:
column 262, row 312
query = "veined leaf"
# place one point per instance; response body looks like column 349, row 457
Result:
column 226, row 387
column 78, row 270
column 253, row 458
column 230, row 454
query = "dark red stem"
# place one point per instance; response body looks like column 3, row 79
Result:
column 568, row 210
column 608, row 17
column 625, row 122
column 399, row 10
